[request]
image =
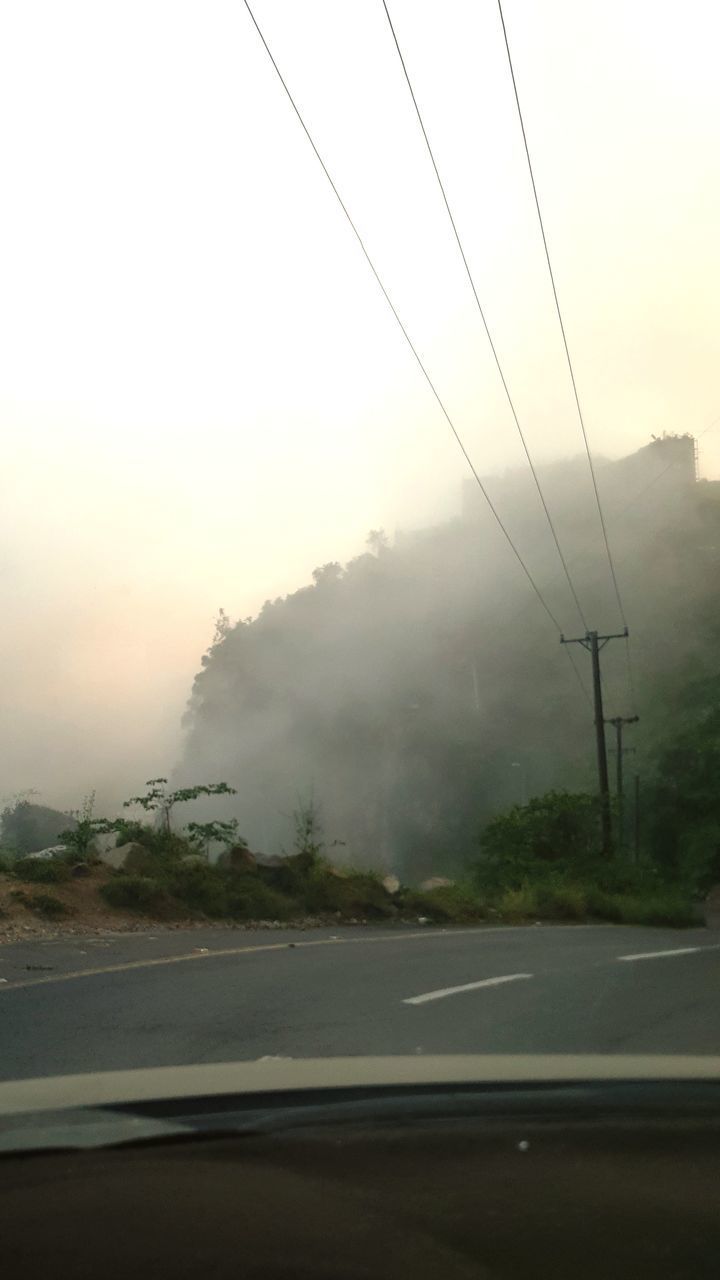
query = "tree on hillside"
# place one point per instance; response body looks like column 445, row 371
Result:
column 682, row 802
column 326, row 573
column 204, row 834
column 378, row 541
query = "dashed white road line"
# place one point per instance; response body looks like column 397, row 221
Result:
column 657, row 955
column 466, row 986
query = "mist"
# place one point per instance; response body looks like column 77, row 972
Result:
column 420, row 688
column 203, row 395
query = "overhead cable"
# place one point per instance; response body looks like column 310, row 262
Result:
column 493, row 348
column 571, row 370
column 426, row 375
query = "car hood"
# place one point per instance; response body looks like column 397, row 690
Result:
column 274, row 1074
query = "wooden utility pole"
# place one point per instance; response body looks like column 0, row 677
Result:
column 594, row 643
column 619, row 723
column 636, row 816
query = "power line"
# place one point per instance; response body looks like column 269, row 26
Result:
column 562, row 325
column 493, row 348
column 404, row 331
column 578, row 675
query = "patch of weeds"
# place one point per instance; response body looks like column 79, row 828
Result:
column 450, row 903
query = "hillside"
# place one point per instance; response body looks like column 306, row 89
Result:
column 421, row 687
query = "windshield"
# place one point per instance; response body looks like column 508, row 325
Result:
column 361, row 528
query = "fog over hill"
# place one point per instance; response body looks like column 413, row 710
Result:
column 420, row 687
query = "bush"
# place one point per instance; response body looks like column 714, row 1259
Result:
column 359, row 893
column 519, row 904
column 136, row 893
column 44, row 903
column 556, row 830
column 48, row 906
column 250, row 899
column 452, row 903
column 41, row 870
column 672, row 909
column 200, row 887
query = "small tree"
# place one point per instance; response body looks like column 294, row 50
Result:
column 378, row 541
column 327, row 573
column 79, row 838
column 158, row 799
column 203, row 834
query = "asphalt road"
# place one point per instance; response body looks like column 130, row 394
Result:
column 141, row 1000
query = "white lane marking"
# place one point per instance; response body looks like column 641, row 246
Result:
column 656, row 955
column 466, row 986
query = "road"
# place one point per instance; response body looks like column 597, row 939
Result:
column 141, row 1000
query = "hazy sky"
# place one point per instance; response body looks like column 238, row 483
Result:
column 202, row 392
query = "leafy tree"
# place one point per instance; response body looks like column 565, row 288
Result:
column 203, row 834
column 555, row 830
column 79, row 838
column 158, row 799
column 378, row 541
column 223, row 627
column 308, row 843
column 326, row 573
column 682, row 802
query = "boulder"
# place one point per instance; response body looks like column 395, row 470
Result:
column 194, row 860
column 435, row 882
column 239, row 857
column 126, row 857
column 391, row 884
column 270, row 860
column 46, row 855
column 102, row 842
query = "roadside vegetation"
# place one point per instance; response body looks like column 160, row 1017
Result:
column 536, row 862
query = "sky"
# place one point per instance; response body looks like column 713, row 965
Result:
column 203, row 393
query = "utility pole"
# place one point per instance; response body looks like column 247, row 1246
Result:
column 594, row 643
column 636, row 816
column 619, row 723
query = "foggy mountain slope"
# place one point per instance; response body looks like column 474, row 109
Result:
column 421, row 688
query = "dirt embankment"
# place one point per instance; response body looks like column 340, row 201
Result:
column 73, row 907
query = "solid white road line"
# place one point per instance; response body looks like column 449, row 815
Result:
column 656, row 955
column 466, row 986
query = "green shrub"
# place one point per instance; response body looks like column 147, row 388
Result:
column 41, row 870
column 359, row 893
column 556, row 830
column 136, row 893
column 519, row 904
column 249, row 898
column 672, row 909
column 562, row 901
column 200, row 887
column 450, row 903
column 46, row 905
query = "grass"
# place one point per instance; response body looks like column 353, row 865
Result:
column 670, row 906
column 449, row 903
